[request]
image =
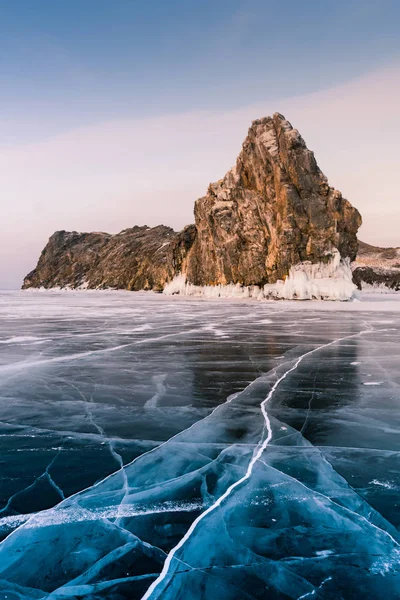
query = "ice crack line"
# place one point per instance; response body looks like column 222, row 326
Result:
column 314, row 591
column 117, row 457
column 10, row 368
column 341, row 506
column 98, row 483
column 256, row 456
column 45, row 475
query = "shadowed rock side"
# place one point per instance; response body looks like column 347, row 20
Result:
column 377, row 267
column 273, row 210
column 140, row 258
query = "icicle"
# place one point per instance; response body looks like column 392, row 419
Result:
column 330, row 280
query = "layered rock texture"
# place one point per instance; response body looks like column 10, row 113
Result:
column 140, row 258
column 377, row 267
column 273, row 210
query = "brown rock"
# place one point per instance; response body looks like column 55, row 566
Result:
column 274, row 209
column 140, row 258
column 377, row 266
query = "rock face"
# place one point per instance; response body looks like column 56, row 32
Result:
column 376, row 266
column 273, row 210
column 140, row 258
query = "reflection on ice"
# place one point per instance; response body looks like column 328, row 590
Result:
column 196, row 465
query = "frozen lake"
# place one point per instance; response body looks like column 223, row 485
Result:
column 190, row 449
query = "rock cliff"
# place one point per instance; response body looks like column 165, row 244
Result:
column 377, row 267
column 273, row 210
column 140, row 258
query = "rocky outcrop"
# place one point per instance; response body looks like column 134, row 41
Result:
column 140, row 258
column 273, row 210
column 377, row 267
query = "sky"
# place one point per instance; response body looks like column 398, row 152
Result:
column 120, row 112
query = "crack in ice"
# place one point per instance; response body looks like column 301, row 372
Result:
column 313, row 592
column 304, row 427
column 45, row 475
column 116, row 456
column 256, row 456
column 78, row 355
column 345, row 508
column 75, row 496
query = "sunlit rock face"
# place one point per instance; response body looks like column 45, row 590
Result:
column 273, row 210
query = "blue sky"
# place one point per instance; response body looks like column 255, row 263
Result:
column 68, row 62
column 120, row 112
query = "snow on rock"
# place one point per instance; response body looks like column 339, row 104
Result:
column 331, row 280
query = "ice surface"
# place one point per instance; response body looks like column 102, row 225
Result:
column 159, row 447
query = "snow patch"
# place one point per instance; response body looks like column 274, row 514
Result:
column 163, row 246
column 324, row 552
column 386, row 484
column 387, row 564
column 18, row 339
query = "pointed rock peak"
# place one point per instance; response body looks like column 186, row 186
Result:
column 275, row 209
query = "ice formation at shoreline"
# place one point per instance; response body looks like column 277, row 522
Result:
column 377, row 288
column 306, row 281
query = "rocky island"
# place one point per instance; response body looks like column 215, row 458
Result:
column 273, row 219
column 377, row 267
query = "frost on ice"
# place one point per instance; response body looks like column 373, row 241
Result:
column 306, row 281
